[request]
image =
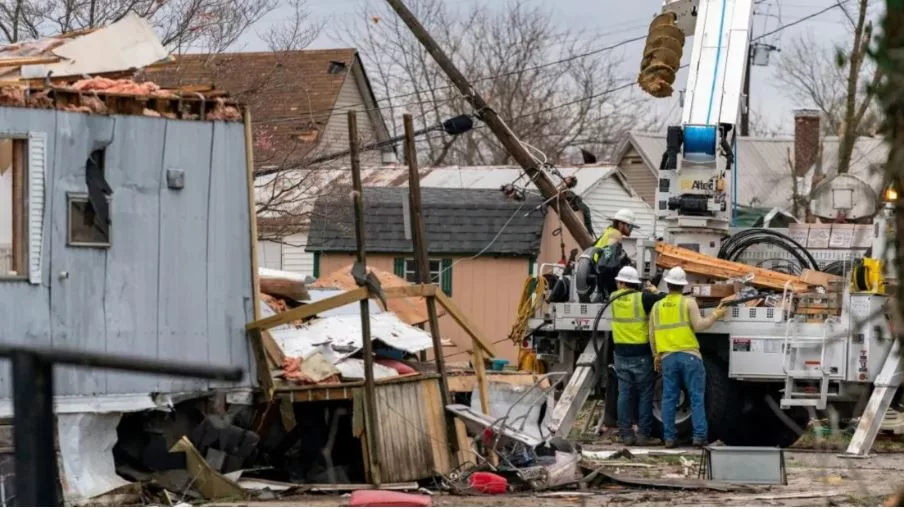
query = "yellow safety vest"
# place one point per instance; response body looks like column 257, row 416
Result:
column 672, row 326
column 603, row 241
column 630, row 325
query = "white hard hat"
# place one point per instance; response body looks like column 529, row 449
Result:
column 676, row 276
column 628, row 274
column 626, row 216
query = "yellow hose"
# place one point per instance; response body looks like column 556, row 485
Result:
column 531, row 298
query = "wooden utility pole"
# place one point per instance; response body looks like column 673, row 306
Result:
column 371, row 431
column 421, row 257
column 508, row 139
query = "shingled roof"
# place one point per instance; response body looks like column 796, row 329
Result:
column 291, row 93
column 458, row 222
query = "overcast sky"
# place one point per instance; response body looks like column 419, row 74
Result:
column 609, row 21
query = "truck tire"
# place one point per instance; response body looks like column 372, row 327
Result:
column 763, row 426
column 721, row 401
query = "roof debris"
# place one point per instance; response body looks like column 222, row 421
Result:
column 94, row 72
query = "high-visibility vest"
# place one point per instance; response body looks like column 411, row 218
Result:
column 630, row 325
column 672, row 326
column 603, row 241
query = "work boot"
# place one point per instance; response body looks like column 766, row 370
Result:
column 698, row 443
column 671, row 444
column 629, row 441
column 648, row 441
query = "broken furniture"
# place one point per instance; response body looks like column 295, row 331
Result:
column 743, row 465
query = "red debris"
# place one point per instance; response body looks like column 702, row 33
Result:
column 400, row 367
column 488, row 482
column 383, row 498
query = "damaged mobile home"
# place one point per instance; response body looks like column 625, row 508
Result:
column 125, row 228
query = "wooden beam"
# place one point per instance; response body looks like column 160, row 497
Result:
column 420, row 290
column 372, row 431
column 421, row 256
column 252, row 211
column 274, row 353
column 309, row 310
column 260, row 360
column 461, row 319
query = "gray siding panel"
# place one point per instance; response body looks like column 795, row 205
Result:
column 183, row 250
column 176, row 282
column 76, row 302
column 228, row 298
column 133, row 172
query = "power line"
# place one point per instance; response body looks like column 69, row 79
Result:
column 536, row 67
column 801, row 20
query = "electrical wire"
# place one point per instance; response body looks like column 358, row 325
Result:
column 735, row 246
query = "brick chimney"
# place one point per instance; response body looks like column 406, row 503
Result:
column 806, row 140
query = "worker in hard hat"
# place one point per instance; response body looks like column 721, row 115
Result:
column 623, row 223
column 633, row 357
column 674, row 322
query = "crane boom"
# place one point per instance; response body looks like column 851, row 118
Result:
column 693, row 198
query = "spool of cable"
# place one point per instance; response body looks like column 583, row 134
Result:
column 700, row 143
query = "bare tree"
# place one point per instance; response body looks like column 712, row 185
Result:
column 205, row 25
column 553, row 89
column 838, row 81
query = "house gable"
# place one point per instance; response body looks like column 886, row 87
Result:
column 638, row 171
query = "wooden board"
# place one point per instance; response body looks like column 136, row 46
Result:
column 696, row 263
column 409, row 305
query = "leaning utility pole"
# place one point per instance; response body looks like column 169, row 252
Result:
column 508, row 139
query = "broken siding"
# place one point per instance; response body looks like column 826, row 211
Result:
column 639, row 176
column 174, row 284
column 335, row 136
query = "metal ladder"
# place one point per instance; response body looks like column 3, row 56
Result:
column 791, row 344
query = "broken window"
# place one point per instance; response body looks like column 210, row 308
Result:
column 440, row 272
column 13, row 208
column 88, row 214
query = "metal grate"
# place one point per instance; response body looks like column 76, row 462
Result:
column 752, row 313
column 770, row 313
column 583, row 309
column 735, row 313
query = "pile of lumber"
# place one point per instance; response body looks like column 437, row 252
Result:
column 669, row 256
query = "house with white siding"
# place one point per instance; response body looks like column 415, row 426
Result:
column 299, row 102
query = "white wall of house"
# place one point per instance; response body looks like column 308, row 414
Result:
column 607, row 196
column 294, row 257
column 269, row 254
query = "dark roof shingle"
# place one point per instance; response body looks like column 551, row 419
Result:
column 291, row 94
column 458, row 222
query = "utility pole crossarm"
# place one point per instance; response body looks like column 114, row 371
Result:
column 508, row 139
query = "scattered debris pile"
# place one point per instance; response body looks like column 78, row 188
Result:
column 325, row 349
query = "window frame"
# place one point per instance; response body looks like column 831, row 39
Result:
column 442, row 278
column 19, row 261
column 72, row 196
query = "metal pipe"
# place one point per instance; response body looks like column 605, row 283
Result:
column 124, row 363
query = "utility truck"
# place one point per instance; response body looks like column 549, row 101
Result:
column 770, row 366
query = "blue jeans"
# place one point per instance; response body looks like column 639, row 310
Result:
column 635, row 383
column 681, row 368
